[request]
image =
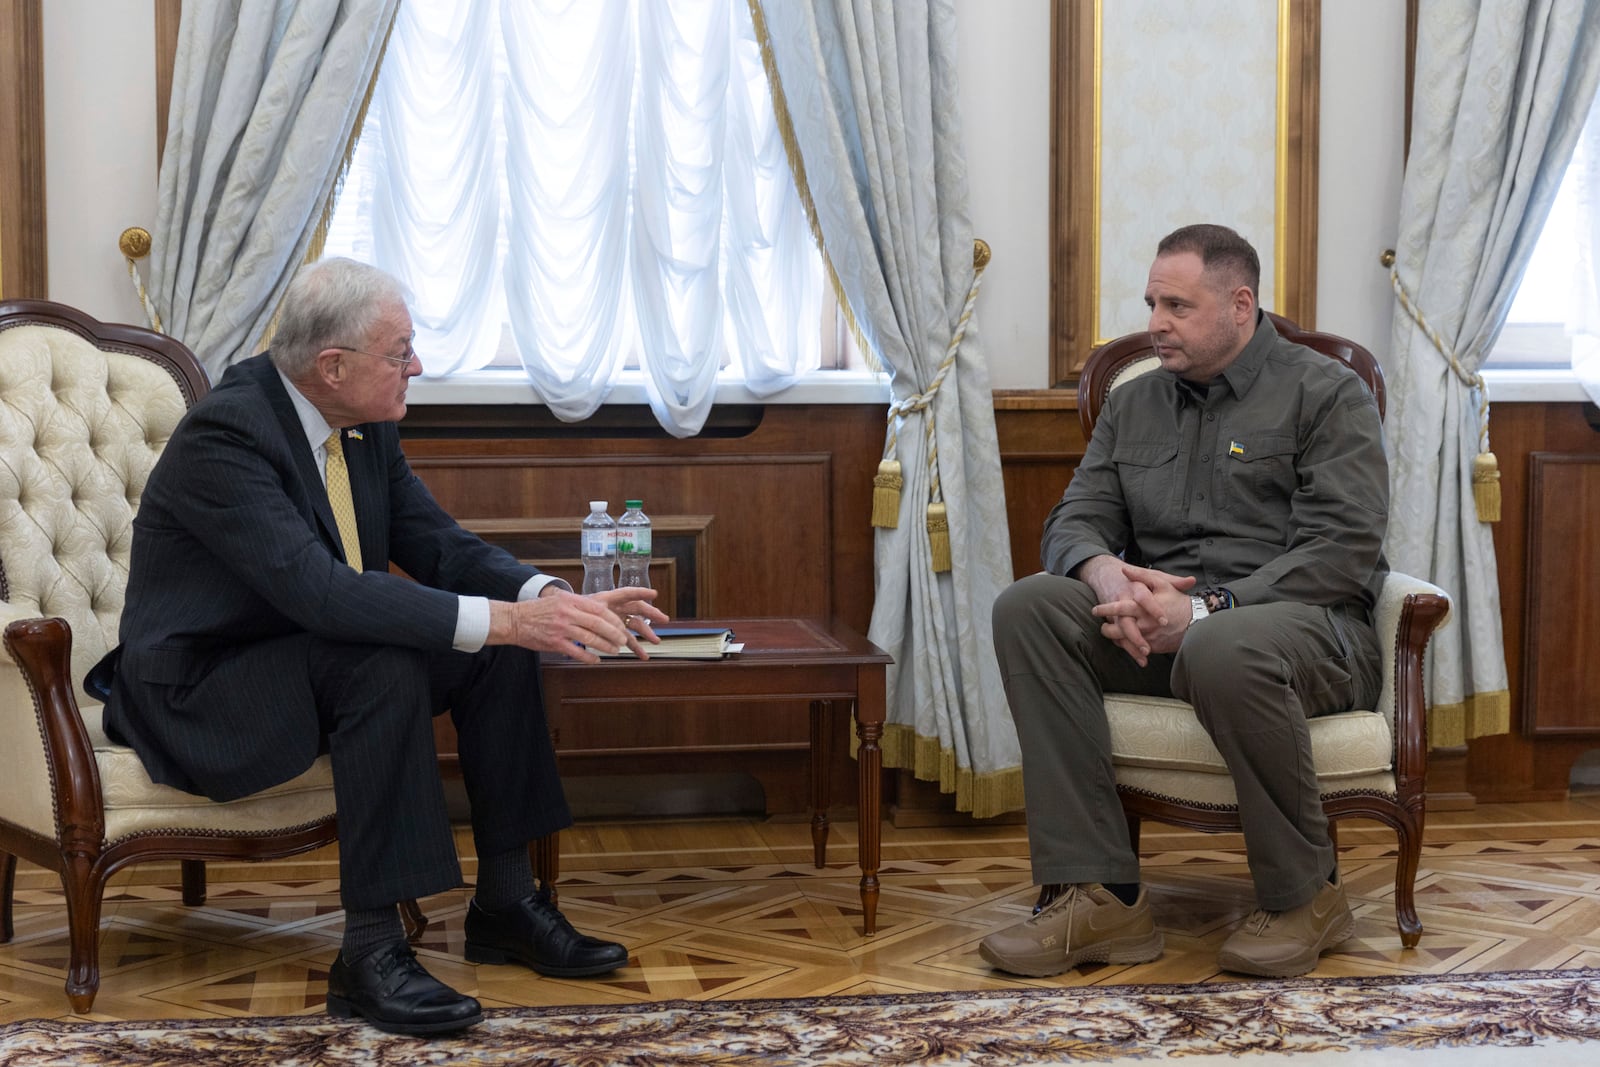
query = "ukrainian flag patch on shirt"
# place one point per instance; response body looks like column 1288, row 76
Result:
column 1235, row 448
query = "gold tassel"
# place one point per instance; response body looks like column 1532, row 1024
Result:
column 1486, row 486
column 939, row 537
column 886, row 494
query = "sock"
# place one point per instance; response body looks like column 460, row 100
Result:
column 504, row 878
column 1127, row 892
column 366, row 929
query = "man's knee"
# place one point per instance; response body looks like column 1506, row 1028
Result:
column 340, row 668
column 1039, row 600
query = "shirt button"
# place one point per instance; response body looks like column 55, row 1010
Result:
column 1205, row 459
column 1208, row 540
column 1211, row 418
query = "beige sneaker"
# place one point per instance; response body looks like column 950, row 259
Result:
column 1282, row 944
column 1085, row 924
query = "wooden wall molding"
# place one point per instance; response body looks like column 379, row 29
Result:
column 24, row 263
column 680, row 560
column 1074, row 268
column 1561, row 674
column 169, row 13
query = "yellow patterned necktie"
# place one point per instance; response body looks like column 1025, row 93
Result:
column 344, row 507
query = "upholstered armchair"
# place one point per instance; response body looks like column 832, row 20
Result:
column 85, row 408
column 1371, row 762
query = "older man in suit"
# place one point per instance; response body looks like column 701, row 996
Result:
column 263, row 626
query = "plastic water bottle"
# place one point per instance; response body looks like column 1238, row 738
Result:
column 599, row 548
column 633, row 546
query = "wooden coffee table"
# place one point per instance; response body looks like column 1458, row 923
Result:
column 823, row 661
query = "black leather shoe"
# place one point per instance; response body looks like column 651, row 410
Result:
column 535, row 933
column 388, row 988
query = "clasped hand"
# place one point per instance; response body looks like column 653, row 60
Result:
column 559, row 620
column 1144, row 611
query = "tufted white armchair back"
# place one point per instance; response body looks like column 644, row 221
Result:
column 82, row 420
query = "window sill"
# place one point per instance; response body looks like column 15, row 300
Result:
column 512, row 387
column 1519, row 386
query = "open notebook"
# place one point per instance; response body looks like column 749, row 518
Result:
column 686, row 642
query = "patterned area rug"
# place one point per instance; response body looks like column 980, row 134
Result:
column 1466, row 1019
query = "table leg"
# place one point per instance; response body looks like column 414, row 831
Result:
column 869, row 760
column 821, row 768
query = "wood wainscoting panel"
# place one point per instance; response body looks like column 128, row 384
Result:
column 680, row 557
column 1524, row 766
column 770, row 517
column 1561, row 690
column 1041, row 443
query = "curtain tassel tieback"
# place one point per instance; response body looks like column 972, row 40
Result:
column 886, row 485
column 939, row 536
column 1486, row 486
column 1485, row 467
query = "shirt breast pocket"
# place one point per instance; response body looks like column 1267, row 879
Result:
column 1148, row 471
column 1259, row 476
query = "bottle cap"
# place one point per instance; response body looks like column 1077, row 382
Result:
column 597, row 505
column 634, row 503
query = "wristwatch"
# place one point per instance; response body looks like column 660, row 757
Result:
column 1197, row 609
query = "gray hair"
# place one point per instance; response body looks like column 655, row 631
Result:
column 332, row 303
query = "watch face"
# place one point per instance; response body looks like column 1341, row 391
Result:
column 1198, row 606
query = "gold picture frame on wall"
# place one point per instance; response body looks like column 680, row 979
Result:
column 1284, row 160
column 23, row 252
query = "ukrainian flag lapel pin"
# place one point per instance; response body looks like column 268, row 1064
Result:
column 1235, row 448
column 355, row 435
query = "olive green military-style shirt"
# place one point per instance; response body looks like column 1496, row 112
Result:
column 1270, row 481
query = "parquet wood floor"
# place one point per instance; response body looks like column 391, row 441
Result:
column 732, row 908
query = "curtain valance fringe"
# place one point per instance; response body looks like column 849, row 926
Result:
column 982, row 795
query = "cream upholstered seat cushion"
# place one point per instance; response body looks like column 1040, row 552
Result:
column 80, row 430
column 1159, row 746
column 135, row 804
column 1153, row 732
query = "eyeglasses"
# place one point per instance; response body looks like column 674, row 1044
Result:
column 404, row 361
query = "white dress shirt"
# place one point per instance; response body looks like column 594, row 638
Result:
column 472, row 618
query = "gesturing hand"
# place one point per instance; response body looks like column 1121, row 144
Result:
column 558, row 620
column 638, row 614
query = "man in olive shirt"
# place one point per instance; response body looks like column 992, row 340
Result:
column 1221, row 542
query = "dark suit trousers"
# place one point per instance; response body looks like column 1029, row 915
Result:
column 376, row 705
column 1254, row 675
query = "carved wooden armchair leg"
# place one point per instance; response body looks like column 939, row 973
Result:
column 194, row 882
column 8, row 882
column 84, row 887
column 1408, row 859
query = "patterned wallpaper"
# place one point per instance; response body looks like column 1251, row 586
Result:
column 1188, row 133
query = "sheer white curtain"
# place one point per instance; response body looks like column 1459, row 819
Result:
column 604, row 180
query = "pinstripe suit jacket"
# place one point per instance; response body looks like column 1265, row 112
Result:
column 235, row 552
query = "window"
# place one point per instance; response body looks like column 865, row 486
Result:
column 575, row 192
column 1555, row 318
